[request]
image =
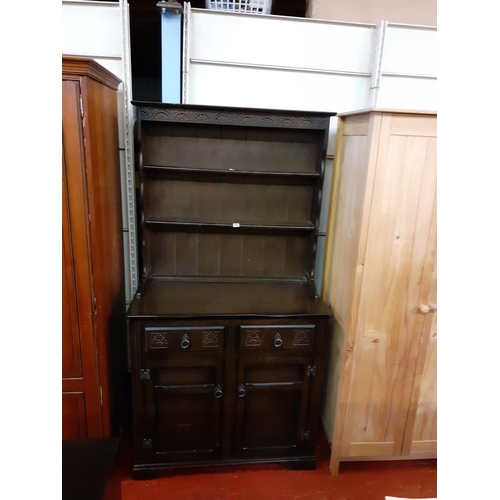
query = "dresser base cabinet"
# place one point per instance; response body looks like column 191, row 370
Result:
column 227, row 390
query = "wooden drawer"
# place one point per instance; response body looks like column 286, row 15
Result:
column 187, row 339
column 276, row 337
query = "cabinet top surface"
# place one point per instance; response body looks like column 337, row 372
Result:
column 172, row 299
column 388, row 111
column 211, row 108
column 85, row 66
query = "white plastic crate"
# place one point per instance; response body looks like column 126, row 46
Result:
column 245, row 6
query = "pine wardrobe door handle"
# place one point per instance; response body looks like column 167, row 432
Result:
column 241, row 391
column 426, row 308
column 218, row 392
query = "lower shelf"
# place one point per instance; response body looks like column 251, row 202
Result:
column 151, row 471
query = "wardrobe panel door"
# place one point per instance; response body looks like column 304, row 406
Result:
column 80, row 384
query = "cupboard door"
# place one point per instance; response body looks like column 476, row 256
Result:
column 420, row 439
column 183, row 405
column 272, row 397
column 421, row 435
column 81, row 403
column 390, row 323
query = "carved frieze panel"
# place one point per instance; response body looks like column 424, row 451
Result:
column 258, row 118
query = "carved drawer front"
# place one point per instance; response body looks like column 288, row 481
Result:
column 276, row 337
column 188, row 339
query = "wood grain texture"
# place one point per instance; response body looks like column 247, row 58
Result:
column 74, row 416
column 351, row 197
column 334, row 371
column 336, row 291
column 104, row 201
column 196, row 254
column 71, row 338
column 393, row 112
column 74, row 67
column 357, row 125
column 222, row 148
column 388, row 320
column 92, row 238
column 162, row 299
column 326, row 287
column 379, row 253
column 414, row 125
column 421, row 428
column 76, row 244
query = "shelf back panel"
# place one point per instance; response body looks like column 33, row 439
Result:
column 227, row 202
column 183, row 254
column 228, row 148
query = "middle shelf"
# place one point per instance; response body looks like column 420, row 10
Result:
column 204, row 226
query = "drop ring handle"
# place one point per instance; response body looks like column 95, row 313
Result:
column 185, row 342
column 278, row 342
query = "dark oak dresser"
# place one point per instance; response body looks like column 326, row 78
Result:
column 228, row 334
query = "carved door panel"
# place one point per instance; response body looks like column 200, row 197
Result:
column 272, row 402
column 183, row 405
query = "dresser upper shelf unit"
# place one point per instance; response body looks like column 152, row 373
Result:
column 230, row 192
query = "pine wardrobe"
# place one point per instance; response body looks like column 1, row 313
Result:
column 380, row 280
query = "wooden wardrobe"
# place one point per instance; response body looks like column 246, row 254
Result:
column 93, row 287
column 380, row 279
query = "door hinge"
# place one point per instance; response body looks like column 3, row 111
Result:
column 311, row 371
column 100, row 391
column 304, row 435
column 145, row 374
column 95, row 307
column 81, row 106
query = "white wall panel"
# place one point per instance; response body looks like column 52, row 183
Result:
column 252, row 87
column 281, row 41
column 278, row 89
column 410, row 50
column 99, row 30
column 407, row 93
column 91, row 28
